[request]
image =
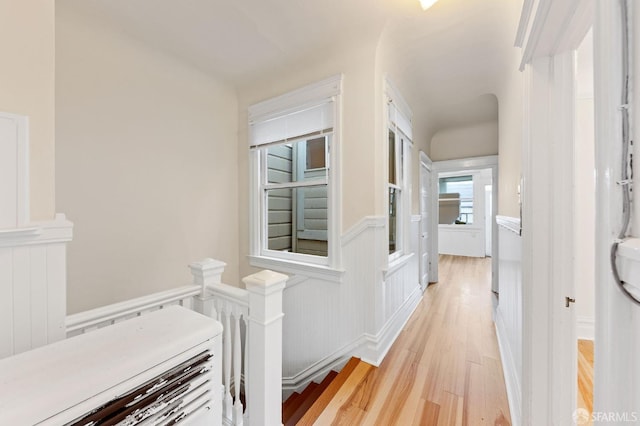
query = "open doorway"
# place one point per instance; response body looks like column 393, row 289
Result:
column 466, row 226
column 584, row 222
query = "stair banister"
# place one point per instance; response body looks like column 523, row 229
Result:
column 265, row 347
column 259, row 308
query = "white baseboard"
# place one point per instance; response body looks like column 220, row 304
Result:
column 512, row 381
column 319, row 369
column 375, row 347
column 585, row 328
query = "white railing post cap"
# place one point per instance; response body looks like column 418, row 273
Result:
column 264, row 280
column 207, row 264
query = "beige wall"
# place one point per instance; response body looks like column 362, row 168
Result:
column 358, row 134
column 476, row 140
column 146, row 164
column 27, row 88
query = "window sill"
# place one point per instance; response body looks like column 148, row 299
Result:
column 321, row 272
column 396, row 264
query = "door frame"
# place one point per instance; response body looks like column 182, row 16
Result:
column 432, row 269
column 549, row 33
column 461, row 164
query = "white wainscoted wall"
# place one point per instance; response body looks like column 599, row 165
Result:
column 362, row 308
column 461, row 240
column 33, row 285
column 508, row 317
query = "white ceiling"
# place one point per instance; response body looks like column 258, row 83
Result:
column 450, row 55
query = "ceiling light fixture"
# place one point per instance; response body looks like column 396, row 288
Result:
column 426, row 4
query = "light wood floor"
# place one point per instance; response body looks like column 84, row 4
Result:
column 445, row 368
column 585, row 374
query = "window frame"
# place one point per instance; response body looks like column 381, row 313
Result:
column 474, row 182
column 401, row 126
column 477, row 193
column 265, row 186
column 328, row 90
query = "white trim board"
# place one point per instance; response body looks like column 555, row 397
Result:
column 375, row 347
column 14, row 170
column 585, row 329
column 511, row 379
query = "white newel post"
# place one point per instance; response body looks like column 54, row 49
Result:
column 264, row 388
column 206, row 272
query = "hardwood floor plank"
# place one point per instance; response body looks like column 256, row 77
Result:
column 445, row 368
column 451, row 409
column 345, row 393
column 585, row 374
column 321, row 403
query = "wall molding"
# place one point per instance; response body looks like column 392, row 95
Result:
column 585, row 328
column 550, row 28
column 465, row 164
column 375, row 347
column 512, row 381
column 509, row 223
column 319, row 369
column 360, row 227
column 119, row 311
column 60, row 230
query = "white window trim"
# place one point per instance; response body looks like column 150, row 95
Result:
column 330, row 88
column 393, row 96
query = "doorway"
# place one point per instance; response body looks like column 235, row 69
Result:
column 584, row 224
column 463, row 234
column 425, row 217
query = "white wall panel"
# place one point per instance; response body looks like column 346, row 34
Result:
column 6, row 302
column 509, row 313
column 33, row 285
column 460, row 241
column 360, row 315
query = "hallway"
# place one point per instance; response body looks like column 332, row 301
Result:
column 445, row 367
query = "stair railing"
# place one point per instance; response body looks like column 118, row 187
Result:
column 252, row 321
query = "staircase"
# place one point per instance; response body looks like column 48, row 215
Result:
column 320, row 403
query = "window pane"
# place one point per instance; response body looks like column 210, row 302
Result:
column 456, row 200
column 299, row 161
column 316, row 153
column 392, row 158
column 280, row 163
column 393, row 220
column 298, row 220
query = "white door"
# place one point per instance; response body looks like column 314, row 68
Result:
column 425, row 224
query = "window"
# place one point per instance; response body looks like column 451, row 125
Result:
column 456, row 200
column 395, row 191
column 294, row 185
column 295, row 189
column 398, row 194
